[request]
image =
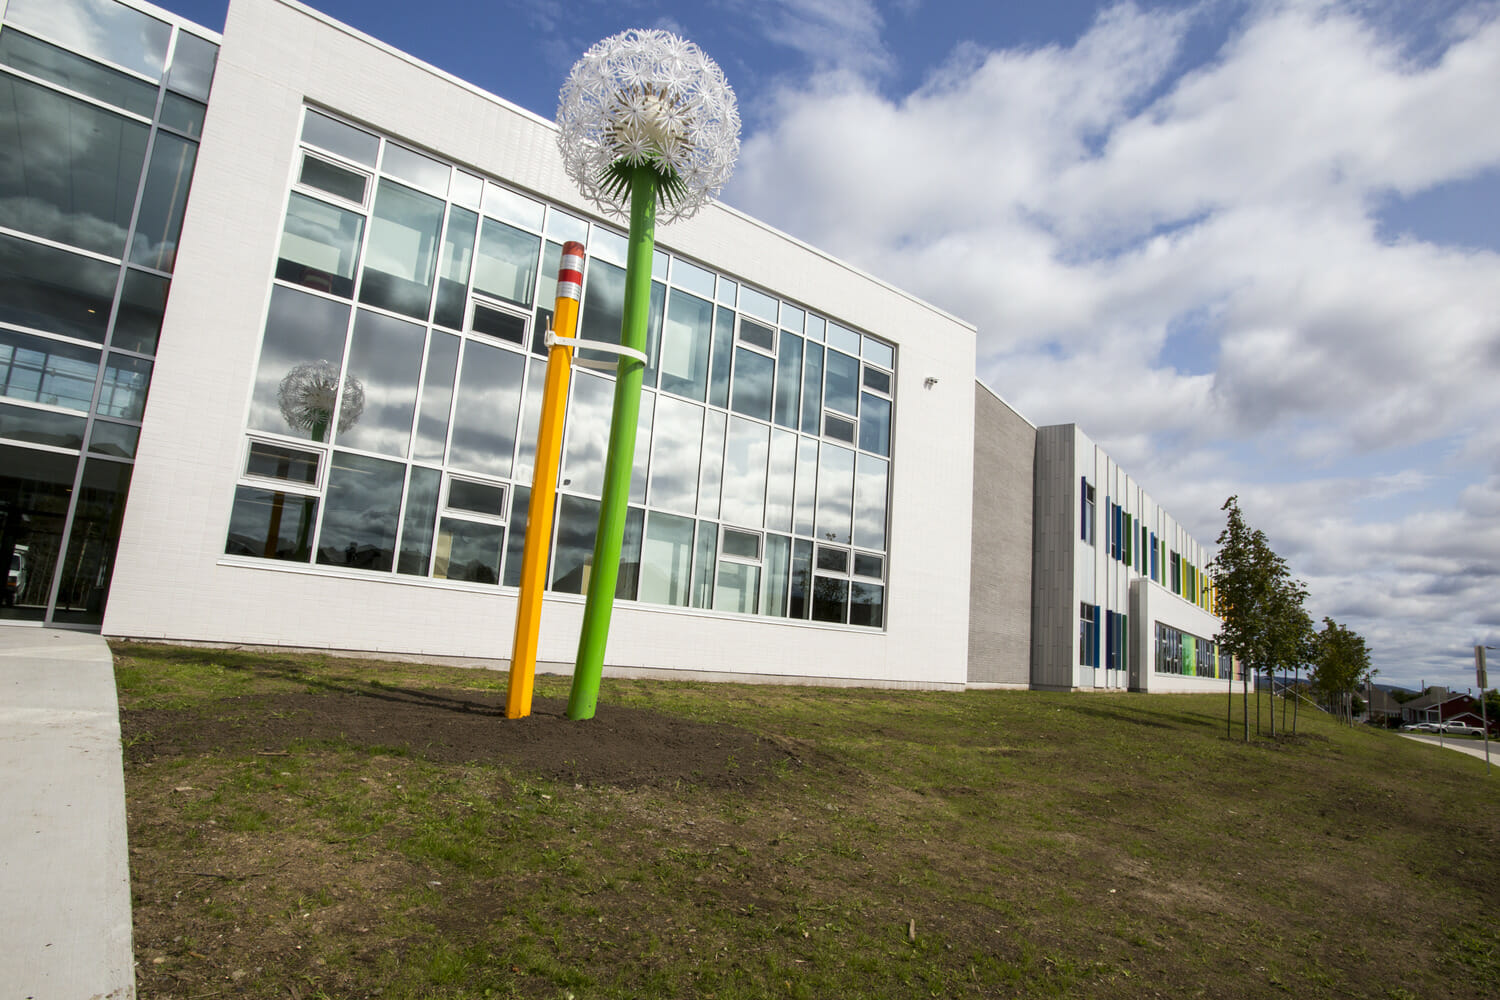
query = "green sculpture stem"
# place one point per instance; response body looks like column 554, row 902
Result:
column 619, row 462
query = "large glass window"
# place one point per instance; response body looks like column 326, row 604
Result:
column 666, row 559
column 385, row 356
column 40, row 370
column 320, row 245
column 402, row 253
column 163, row 201
column 487, row 409
column 67, row 69
column 675, row 451
column 685, row 346
column 506, row 264
column 101, row 29
column 70, row 168
column 359, row 520
column 301, row 358
column 753, row 441
column 745, row 473
column 55, row 291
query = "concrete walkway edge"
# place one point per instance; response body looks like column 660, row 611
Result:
column 65, row 923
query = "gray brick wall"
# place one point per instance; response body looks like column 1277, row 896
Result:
column 1000, row 560
column 1054, row 625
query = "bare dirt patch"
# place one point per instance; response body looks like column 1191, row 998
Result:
column 622, row 747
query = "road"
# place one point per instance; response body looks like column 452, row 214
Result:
column 1463, row 744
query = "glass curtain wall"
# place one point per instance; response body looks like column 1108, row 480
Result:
column 394, row 410
column 101, row 107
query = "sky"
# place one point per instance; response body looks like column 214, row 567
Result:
column 1251, row 248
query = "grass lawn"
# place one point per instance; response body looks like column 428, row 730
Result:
column 306, row 826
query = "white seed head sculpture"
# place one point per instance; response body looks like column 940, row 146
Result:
column 648, row 98
column 307, row 395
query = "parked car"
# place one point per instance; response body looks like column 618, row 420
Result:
column 1462, row 729
column 1421, row 727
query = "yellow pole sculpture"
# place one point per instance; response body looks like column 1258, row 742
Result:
column 544, row 482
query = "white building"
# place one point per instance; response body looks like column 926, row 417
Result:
column 337, row 451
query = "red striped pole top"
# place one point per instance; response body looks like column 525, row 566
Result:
column 570, row 272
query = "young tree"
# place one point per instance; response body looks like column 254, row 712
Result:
column 1264, row 624
column 1341, row 664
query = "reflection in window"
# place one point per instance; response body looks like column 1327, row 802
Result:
column 723, row 357
column 320, row 245
column 642, row 457
column 867, row 604
column 70, row 169
column 703, row 564
column 271, row 524
column 402, row 254
column 737, row 588
column 830, row 599
column 842, row 383
column 875, row 424
column 788, row 379
column 807, row 485
column 711, row 475
column 685, row 344
column 47, row 371
column 163, row 201
column 416, row 526
column 630, row 555
column 515, row 543
column 778, row 563
column 588, row 434
column 336, row 137
column 573, row 555
column 745, row 472
column 870, row 502
column 799, row 604
column 812, row 390
column 359, row 518
column 468, row 551
column 835, row 493
column 437, row 398
column 506, row 264
column 183, row 115
column 675, row 449
column 68, row 69
column 277, row 461
column 384, row 358
column 780, row 479
column 415, row 168
column 138, row 321
column 22, row 423
column 879, row 353
column 296, row 383
column 341, row 182
column 453, row 270
column 119, row 440
column 487, row 410
column 666, row 559
column 123, row 392
column 603, row 308
column 192, row 69
column 100, row 29
column 752, row 383
column 531, row 418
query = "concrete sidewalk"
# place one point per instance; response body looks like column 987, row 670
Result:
column 64, row 881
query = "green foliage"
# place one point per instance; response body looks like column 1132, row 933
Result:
column 1265, row 625
column 1341, row 663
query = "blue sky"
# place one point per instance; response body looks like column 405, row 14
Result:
column 1250, row 247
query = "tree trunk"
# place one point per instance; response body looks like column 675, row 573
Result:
column 1273, row 706
column 1298, row 703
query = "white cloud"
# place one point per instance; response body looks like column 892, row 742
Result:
column 1189, row 266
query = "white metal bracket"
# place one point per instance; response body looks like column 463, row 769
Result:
column 551, row 338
